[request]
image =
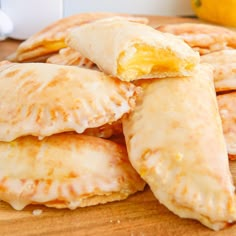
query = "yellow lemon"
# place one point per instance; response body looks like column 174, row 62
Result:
column 220, row 12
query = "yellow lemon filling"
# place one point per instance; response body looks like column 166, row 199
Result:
column 55, row 46
column 142, row 60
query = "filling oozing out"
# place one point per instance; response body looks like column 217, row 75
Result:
column 141, row 60
column 55, row 45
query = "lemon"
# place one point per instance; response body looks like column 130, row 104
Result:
column 220, row 12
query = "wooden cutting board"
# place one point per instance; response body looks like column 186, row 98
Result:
column 139, row 215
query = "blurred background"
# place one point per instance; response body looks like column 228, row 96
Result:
column 151, row 7
column 22, row 18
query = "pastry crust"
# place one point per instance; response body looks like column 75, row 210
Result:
column 132, row 51
column 65, row 171
column 224, row 63
column 69, row 56
column 175, row 142
column 204, row 38
column 227, row 108
column 106, row 131
column 52, row 38
column 43, row 99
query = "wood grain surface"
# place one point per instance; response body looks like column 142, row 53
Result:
column 139, row 215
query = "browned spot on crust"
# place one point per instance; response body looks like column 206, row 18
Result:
column 48, row 184
column 232, row 157
column 59, row 110
column 175, row 124
column 184, row 190
column 26, row 74
column 72, row 191
column 148, row 152
column 116, row 101
column 12, row 73
column 2, row 186
column 30, row 110
column 72, row 175
column 30, row 87
column 61, row 77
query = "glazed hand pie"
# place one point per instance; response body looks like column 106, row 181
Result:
column 43, row 99
column 52, row 38
column 69, row 56
column 224, row 63
column 175, row 142
column 131, row 51
column 202, row 37
column 227, row 108
column 65, row 171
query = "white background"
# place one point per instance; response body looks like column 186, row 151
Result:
column 30, row 16
column 151, row 7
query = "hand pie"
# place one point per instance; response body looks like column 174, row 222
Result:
column 65, row 171
column 224, row 63
column 69, row 56
column 42, row 99
column 52, row 38
column 131, row 51
column 227, row 108
column 202, row 37
column 175, row 142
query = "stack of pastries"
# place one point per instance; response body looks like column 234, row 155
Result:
column 59, row 123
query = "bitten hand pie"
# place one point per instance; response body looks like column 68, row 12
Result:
column 52, row 38
column 69, row 56
column 43, row 99
column 224, row 63
column 204, row 38
column 131, row 51
column 65, row 171
column 175, row 142
column 227, row 108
